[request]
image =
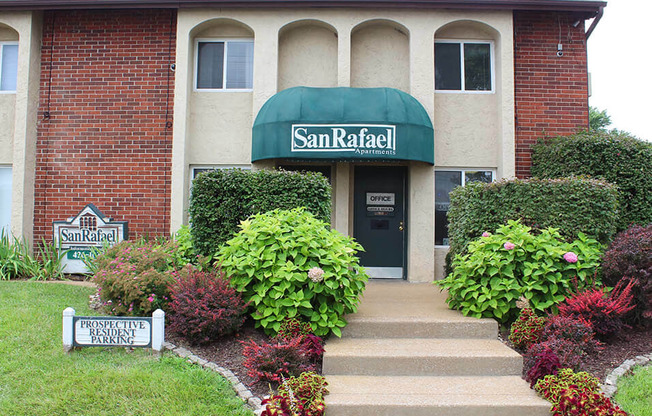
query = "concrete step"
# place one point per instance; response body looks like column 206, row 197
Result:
column 428, row 396
column 420, row 357
column 361, row 326
column 412, row 310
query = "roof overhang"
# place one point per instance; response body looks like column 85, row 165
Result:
column 586, row 7
column 343, row 124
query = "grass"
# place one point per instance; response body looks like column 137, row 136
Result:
column 38, row 378
column 635, row 392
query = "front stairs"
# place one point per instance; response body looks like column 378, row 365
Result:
column 405, row 353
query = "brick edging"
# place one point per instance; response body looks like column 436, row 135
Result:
column 243, row 392
column 609, row 387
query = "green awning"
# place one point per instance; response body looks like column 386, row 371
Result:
column 351, row 124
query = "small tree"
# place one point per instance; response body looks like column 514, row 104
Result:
column 598, row 120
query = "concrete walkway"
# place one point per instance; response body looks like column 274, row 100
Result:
column 406, row 353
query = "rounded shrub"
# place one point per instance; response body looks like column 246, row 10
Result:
column 134, row 277
column 290, row 264
column 615, row 156
column 204, row 306
column 513, row 262
column 629, row 258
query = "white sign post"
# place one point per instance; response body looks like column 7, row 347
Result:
column 112, row 331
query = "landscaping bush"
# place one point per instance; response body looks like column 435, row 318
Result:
column 220, row 199
column 134, row 277
column 292, row 328
column 571, row 205
column 298, row 396
column 290, row 264
column 526, row 330
column 629, row 259
column 551, row 387
column 277, row 360
column 604, row 313
column 617, row 157
column 513, row 262
column 569, row 353
column 571, row 329
column 574, row 401
column 203, row 306
column 546, row 363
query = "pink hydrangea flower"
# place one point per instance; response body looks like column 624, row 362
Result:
column 509, row 245
column 486, row 234
column 570, row 257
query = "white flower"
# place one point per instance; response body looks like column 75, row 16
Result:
column 316, row 274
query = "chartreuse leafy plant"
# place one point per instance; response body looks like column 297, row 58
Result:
column 513, row 262
column 291, row 264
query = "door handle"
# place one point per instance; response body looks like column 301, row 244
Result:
column 400, row 226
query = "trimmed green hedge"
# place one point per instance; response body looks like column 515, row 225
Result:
column 617, row 157
column 220, row 199
column 572, row 205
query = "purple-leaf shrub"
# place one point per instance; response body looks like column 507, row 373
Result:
column 569, row 353
column 275, row 360
column 545, row 363
column 204, row 306
column 629, row 258
column 571, row 329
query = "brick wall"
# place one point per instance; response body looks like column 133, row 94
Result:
column 551, row 92
column 106, row 95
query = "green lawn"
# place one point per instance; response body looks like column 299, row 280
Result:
column 38, row 378
column 635, row 392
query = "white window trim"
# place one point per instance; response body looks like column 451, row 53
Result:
column 491, row 64
column 196, row 64
column 464, row 170
column 2, row 44
column 11, row 187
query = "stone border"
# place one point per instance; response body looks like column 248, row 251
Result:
column 243, row 392
column 609, row 387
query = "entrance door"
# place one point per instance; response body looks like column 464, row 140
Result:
column 379, row 219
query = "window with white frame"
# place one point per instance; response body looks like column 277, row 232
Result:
column 8, row 66
column 445, row 182
column 224, row 64
column 463, row 66
column 5, row 198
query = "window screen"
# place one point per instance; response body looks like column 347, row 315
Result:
column 225, row 65
column 8, row 67
column 445, row 181
column 477, row 67
column 5, row 198
column 448, row 67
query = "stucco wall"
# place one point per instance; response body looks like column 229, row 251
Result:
column 307, row 56
column 373, row 48
column 7, row 115
column 380, row 56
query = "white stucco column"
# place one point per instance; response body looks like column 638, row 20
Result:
column 265, row 63
column 343, row 56
column 179, row 192
column 505, row 87
column 341, row 197
column 29, row 28
column 421, row 207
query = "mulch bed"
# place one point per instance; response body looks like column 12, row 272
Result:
column 227, row 353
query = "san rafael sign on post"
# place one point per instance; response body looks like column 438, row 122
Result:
column 113, row 331
column 87, row 230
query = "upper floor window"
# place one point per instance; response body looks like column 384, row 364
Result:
column 224, row 64
column 8, row 66
column 463, row 66
column 445, row 182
